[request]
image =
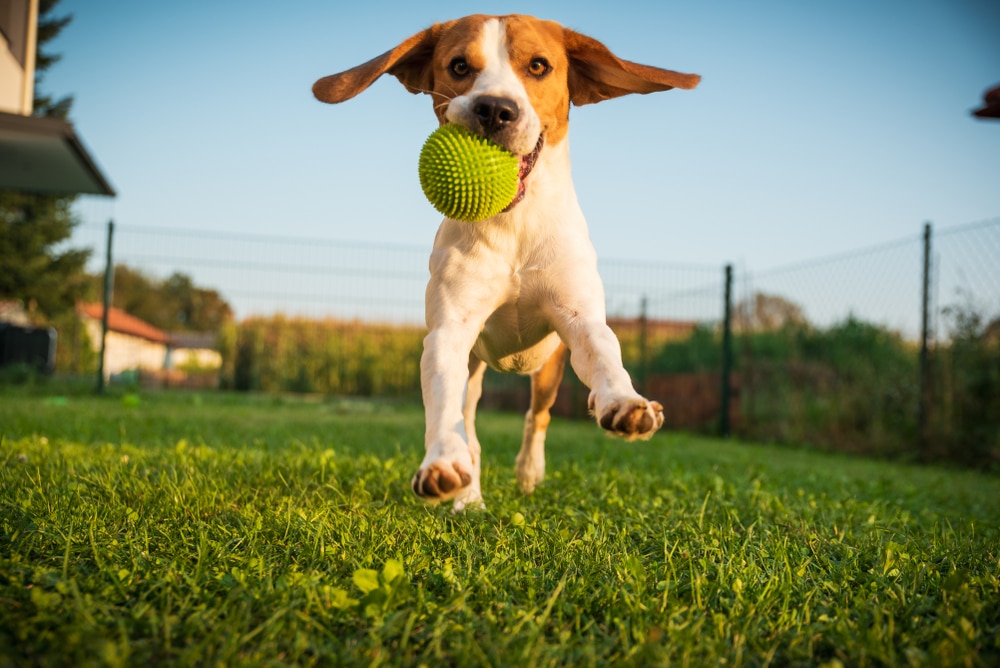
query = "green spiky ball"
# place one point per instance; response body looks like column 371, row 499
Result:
column 466, row 176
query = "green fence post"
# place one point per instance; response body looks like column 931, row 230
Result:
column 923, row 407
column 109, row 270
column 727, row 353
column 643, row 344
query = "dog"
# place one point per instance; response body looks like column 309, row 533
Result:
column 520, row 291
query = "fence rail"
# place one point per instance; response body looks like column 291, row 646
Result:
column 262, row 274
column 797, row 344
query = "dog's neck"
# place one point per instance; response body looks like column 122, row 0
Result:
column 548, row 211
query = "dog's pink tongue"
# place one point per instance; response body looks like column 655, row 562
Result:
column 525, row 165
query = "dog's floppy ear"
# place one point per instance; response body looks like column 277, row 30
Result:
column 596, row 74
column 409, row 62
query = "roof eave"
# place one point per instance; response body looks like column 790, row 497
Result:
column 45, row 155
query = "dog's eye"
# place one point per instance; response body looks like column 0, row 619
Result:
column 459, row 67
column 538, row 67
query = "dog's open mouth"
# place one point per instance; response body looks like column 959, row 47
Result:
column 527, row 164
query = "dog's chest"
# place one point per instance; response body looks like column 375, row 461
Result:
column 516, row 338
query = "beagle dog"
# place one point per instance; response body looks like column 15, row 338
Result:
column 519, row 292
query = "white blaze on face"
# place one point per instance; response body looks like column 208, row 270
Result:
column 497, row 78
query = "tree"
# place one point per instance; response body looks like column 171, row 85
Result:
column 173, row 304
column 49, row 279
column 49, row 28
column 196, row 309
column 767, row 313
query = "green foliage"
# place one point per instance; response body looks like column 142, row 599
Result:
column 49, row 27
column 852, row 386
column 245, row 530
column 174, row 304
column 20, row 374
column 701, row 351
column 279, row 354
column 381, row 593
column 75, row 352
column 37, row 269
column 966, row 388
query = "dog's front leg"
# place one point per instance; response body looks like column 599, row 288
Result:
column 596, row 357
column 450, row 469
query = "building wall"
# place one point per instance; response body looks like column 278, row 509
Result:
column 11, row 83
column 17, row 55
column 126, row 352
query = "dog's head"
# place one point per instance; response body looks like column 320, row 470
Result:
column 510, row 78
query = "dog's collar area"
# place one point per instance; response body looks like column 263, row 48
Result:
column 527, row 164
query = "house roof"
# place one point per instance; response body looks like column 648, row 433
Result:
column 123, row 323
column 45, row 155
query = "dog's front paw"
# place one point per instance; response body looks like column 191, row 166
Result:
column 440, row 480
column 446, row 475
column 632, row 418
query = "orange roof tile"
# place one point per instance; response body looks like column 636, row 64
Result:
column 123, row 323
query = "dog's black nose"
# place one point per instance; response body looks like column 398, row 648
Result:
column 494, row 113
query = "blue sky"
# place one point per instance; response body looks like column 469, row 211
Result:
column 819, row 127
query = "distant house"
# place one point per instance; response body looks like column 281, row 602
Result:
column 134, row 345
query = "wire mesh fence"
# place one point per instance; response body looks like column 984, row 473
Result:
column 263, row 275
column 323, row 278
column 824, row 351
column 832, row 352
column 961, row 396
column 880, row 285
column 966, row 273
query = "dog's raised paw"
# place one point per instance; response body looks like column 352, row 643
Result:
column 440, row 480
column 632, row 419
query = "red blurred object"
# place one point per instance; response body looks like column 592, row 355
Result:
column 992, row 107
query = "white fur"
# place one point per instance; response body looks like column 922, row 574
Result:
column 498, row 78
column 520, row 289
column 508, row 289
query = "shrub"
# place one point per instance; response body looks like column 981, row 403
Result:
column 852, row 386
column 280, row 354
column 966, row 389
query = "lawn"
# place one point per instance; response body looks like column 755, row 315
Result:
column 214, row 529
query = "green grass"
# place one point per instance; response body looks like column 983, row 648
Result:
column 225, row 530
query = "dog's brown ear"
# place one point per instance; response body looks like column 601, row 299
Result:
column 409, row 62
column 596, row 74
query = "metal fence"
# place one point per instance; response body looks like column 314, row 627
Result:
column 656, row 308
column 323, row 278
column 261, row 274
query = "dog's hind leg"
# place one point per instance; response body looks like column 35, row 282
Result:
column 544, row 387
